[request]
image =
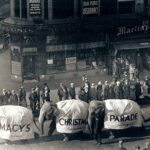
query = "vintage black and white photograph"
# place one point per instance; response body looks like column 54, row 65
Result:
column 74, row 74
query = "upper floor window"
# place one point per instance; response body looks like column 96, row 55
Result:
column 17, row 8
column 63, row 9
column 108, row 7
column 46, row 9
column 24, row 8
column 126, row 6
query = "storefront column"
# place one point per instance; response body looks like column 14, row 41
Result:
column 50, row 9
column 20, row 8
column 12, row 8
column 75, row 8
column 42, row 7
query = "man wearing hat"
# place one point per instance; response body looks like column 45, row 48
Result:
column 92, row 92
column 72, row 92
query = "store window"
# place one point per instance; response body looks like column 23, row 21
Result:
column 126, row 7
column 24, row 8
column 55, row 62
column 15, row 54
column 46, row 9
column 17, row 8
column 63, row 9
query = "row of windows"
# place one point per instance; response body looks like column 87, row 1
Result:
column 65, row 8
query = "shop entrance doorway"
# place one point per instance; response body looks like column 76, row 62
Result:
column 29, row 72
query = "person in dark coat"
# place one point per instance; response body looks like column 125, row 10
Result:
column 92, row 92
column 97, row 120
column 99, row 91
column 118, row 90
column 112, row 90
column 45, row 93
column 13, row 100
column 62, row 92
column 37, row 96
column 32, row 99
column 126, row 89
column 81, row 94
column 86, row 92
column 147, row 80
column 72, row 92
column 4, row 97
column 106, row 90
column 22, row 97
column 138, row 91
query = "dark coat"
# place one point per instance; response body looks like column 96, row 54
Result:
column 63, row 93
column 72, row 92
column 99, row 92
column 13, row 100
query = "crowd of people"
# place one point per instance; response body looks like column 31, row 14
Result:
column 124, row 88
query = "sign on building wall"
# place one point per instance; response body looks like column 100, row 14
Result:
column 35, row 8
column 90, row 7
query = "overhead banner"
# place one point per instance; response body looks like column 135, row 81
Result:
column 73, row 116
column 16, row 123
column 90, row 7
column 122, row 114
column 35, row 8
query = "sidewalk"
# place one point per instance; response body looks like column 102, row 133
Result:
column 93, row 75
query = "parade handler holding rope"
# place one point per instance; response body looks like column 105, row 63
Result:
column 71, row 117
column 120, row 115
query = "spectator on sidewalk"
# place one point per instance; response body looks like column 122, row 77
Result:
column 4, row 97
column 86, row 92
column 112, row 90
column 13, row 100
column 118, row 90
column 92, row 92
column 62, row 92
column 144, row 90
column 126, row 89
column 147, row 80
column 37, row 96
column 32, row 100
column 138, row 91
column 22, row 97
column 106, row 90
column 72, row 92
column 45, row 95
column 81, row 94
column 99, row 91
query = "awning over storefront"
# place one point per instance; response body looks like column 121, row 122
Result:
column 69, row 47
column 125, row 46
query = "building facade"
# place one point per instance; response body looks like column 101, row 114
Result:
column 52, row 36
